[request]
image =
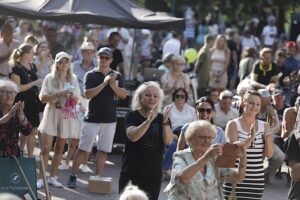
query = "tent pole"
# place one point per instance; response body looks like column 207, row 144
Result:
column 132, row 54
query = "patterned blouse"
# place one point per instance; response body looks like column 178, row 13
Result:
column 9, row 136
column 202, row 186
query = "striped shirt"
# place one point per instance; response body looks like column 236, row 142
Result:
column 253, row 185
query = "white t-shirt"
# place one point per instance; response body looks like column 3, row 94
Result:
column 251, row 41
column 269, row 33
column 221, row 118
column 171, row 46
column 179, row 118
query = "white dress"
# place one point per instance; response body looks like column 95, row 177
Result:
column 54, row 122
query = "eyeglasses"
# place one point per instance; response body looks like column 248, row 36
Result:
column 203, row 110
column 63, row 62
column 177, row 96
column 104, row 57
column 8, row 93
column 227, row 97
column 202, row 138
column 282, row 55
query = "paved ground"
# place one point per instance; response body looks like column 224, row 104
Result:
column 276, row 191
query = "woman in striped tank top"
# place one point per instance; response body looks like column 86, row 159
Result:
column 258, row 140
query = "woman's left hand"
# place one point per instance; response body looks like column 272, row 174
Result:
column 215, row 150
column 20, row 110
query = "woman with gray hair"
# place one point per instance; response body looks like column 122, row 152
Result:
column 12, row 120
column 147, row 133
column 194, row 175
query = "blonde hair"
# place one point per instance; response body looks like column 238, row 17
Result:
column 132, row 192
column 218, row 38
column 19, row 52
column 198, row 126
column 136, row 99
column 56, row 74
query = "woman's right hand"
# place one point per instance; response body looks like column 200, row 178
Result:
column 153, row 113
column 215, row 150
column 252, row 130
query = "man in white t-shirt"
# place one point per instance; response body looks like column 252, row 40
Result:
column 173, row 45
column 269, row 33
column 223, row 109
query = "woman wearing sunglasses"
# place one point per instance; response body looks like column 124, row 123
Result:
column 181, row 113
column 204, row 111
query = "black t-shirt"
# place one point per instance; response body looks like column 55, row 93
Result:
column 293, row 153
column 26, row 76
column 264, row 75
column 146, row 154
column 101, row 108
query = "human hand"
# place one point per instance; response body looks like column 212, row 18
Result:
column 167, row 113
column 241, row 149
column 215, row 150
column 106, row 79
column 252, row 130
column 153, row 113
column 38, row 82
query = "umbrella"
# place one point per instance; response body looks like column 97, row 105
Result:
column 121, row 13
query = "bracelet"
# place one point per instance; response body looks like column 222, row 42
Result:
column 166, row 123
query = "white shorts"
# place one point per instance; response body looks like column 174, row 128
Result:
column 89, row 132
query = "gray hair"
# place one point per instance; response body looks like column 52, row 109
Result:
column 136, row 99
column 132, row 192
column 196, row 126
column 8, row 83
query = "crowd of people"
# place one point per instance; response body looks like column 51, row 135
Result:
column 246, row 94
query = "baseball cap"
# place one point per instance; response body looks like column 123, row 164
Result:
column 87, row 46
column 264, row 92
column 61, row 55
column 277, row 92
column 105, row 50
column 291, row 44
column 280, row 51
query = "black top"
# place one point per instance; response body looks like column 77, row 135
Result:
column 293, row 153
column 27, row 76
column 101, row 108
column 146, row 154
column 264, row 75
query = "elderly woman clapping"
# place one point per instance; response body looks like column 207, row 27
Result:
column 194, row 175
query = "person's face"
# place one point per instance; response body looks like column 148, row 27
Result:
column 204, row 111
column 7, row 34
column 63, row 65
column 280, row 58
column 51, row 36
column 201, row 139
column 180, row 98
column 7, row 97
column 214, row 96
column 88, row 54
column 279, row 99
column 265, row 101
column 150, row 98
column 43, row 48
column 29, row 56
column 177, row 66
column 221, row 42
column 225, row 103
column 95, row 41
column 266, row 58
column 114, row 41
column 291, row 51
column 24, row 28
column 252, row 105
column 104, row 60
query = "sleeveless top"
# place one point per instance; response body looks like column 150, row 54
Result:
column 253, row 185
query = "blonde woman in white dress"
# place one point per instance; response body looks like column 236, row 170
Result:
column 60, row 90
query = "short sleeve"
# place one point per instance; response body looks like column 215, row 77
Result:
column 88, row 81
column 45, row 86
column 292, row 147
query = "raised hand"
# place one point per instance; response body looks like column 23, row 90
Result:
column 252, row 130
column 153, row 113
column 167, row 113
column 215, row 150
